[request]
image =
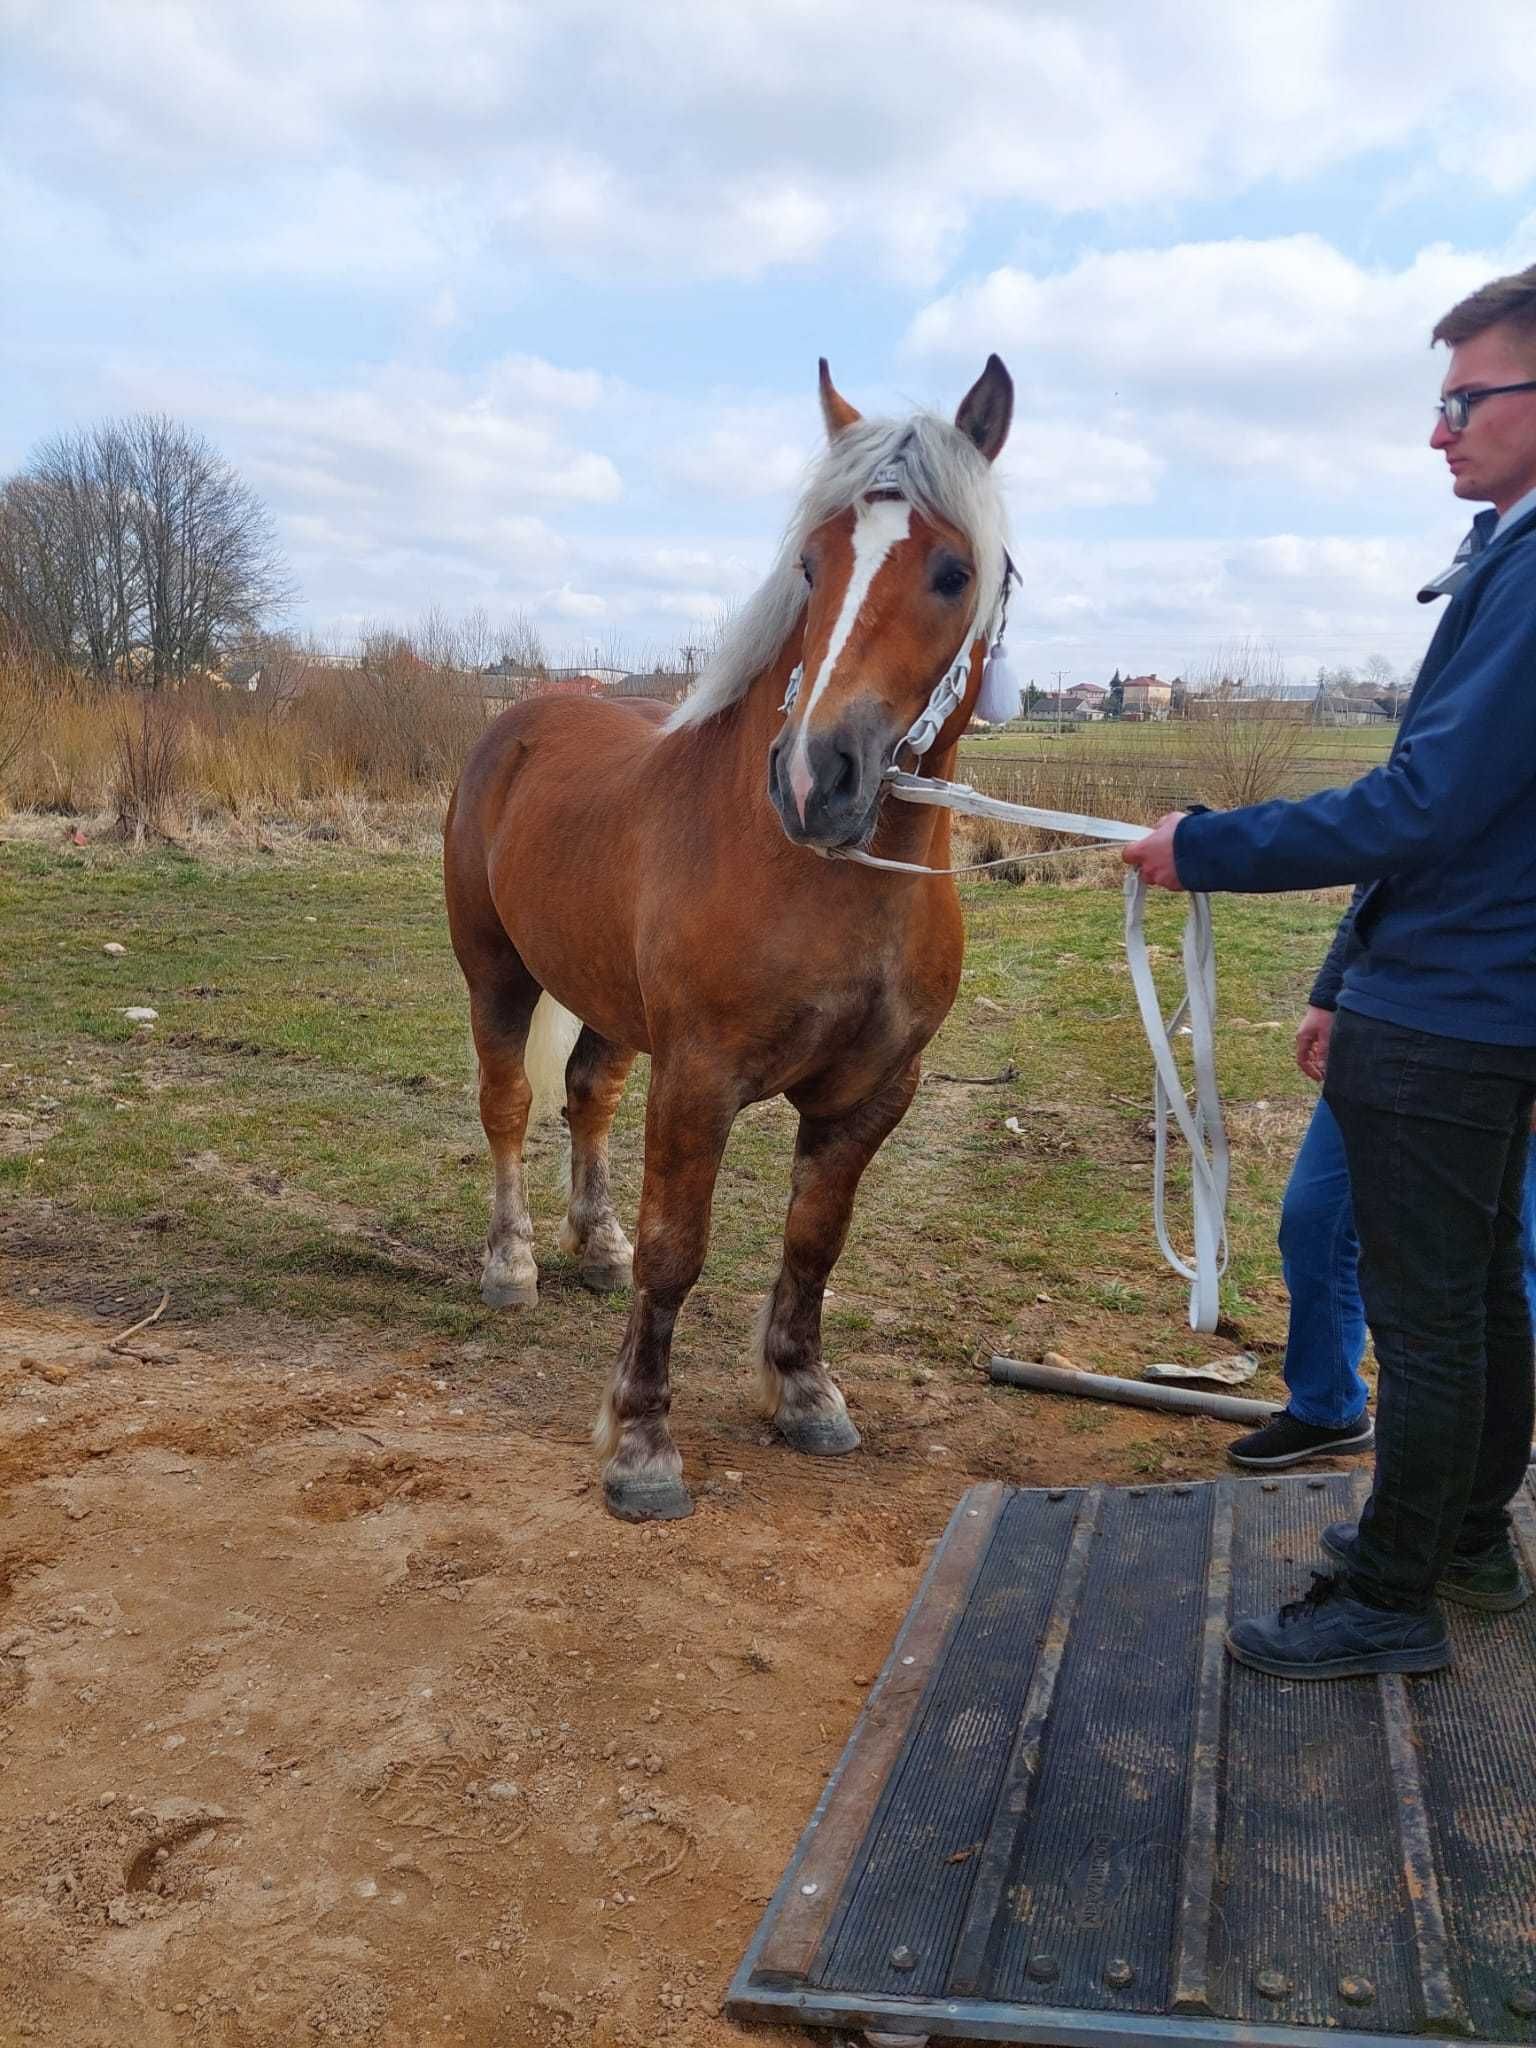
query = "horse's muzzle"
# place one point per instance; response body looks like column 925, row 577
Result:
column 827, row 791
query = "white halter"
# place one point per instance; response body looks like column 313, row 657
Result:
column 950, row 689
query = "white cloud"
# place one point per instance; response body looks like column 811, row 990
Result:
column 427, row 446
column 1281, row 356
column 665, row 141
column 1172, row 605
column 744, row 451
column 566, row 603
column 406, row 488
column 1057, row 463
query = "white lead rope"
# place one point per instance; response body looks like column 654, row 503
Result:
column 1201, row 1127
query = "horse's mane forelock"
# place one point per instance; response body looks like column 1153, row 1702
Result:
column 944, row 475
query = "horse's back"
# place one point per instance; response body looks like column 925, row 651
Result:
column 553, row 751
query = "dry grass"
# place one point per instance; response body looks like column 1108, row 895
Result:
column 361, row 754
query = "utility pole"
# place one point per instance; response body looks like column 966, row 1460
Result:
column 1060, row 674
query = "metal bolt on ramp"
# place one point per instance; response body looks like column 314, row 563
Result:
column 1065, row 1816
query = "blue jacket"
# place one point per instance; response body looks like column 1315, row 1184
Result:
column 1444, row 939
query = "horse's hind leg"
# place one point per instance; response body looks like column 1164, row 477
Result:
column 502, row 996
column 798, row 1393
column 591, row 1234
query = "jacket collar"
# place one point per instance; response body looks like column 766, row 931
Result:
column 1486, row 530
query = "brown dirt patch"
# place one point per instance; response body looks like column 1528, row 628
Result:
column 334, row 1708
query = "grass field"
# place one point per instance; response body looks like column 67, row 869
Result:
column 1142, row 770
column 297, row 1132
column 1347, row 744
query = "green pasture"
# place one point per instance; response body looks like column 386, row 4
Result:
column 297, row 1132
column 1173, row 739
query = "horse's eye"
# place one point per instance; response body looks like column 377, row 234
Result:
column 951, row 580
column 805, row 569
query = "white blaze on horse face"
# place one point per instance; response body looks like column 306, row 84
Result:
column 879, row 525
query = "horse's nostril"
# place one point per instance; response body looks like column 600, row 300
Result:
column 846, row 780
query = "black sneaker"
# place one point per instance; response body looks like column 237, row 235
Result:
column 1287, row 1441
column 1329, row 1634
column 1491, row 1579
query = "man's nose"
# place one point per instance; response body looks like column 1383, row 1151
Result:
column 1442, row 434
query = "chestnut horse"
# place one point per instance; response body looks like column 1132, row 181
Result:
column 667, row 886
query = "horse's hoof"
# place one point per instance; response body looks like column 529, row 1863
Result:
column 509, row 1293
column 607, row 1279
column 820, row 1436
column 647, row 1500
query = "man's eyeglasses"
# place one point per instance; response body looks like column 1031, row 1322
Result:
column 1456, row 406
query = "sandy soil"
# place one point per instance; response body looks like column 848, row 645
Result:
column 333, row 1707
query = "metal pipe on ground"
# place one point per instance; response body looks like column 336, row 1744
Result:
column 1094, row 1386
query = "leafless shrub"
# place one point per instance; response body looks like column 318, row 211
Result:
column 405, row 716
column 150, row 732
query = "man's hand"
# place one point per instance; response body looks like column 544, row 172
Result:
column 1154, row 854
column 1312, row 1036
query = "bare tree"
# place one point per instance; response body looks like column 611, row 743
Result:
column 205, row 547
column 134, row 550
column 520, row 646
column 1246, row 727
column 39, row 596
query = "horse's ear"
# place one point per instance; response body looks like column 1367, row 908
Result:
column 986, row 411
column 835, row 409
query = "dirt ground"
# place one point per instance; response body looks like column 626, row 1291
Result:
column 334, row 1707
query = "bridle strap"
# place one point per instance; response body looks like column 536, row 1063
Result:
column 949, row 690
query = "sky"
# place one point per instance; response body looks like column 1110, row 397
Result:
column 516, row 308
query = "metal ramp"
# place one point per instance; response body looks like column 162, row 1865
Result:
column 1065, row 1816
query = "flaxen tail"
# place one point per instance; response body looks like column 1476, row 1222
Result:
column 552, row 1037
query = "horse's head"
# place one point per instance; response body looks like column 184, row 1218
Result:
column 905, row 568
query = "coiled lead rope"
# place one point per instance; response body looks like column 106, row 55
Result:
column 1200, row 1126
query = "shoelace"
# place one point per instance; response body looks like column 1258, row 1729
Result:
column 1324, row 1587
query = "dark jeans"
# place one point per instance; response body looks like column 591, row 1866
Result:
column 1435, row 1131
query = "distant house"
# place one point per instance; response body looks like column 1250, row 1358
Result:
column 661, row 685
column 1145, row 697
column 506, row 683
column 1086, row 699
column 573, row 683
column 241, row 675
column 1358, row 706
column 1285, row 704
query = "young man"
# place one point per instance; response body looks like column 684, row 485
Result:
column 1431, row 1062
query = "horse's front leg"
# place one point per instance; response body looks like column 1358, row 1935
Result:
column 687, row 1120
column 798, row 1393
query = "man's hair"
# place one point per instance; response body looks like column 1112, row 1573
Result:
column 1507, row 302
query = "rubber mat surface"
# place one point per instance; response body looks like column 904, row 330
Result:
column 1065, row 1815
